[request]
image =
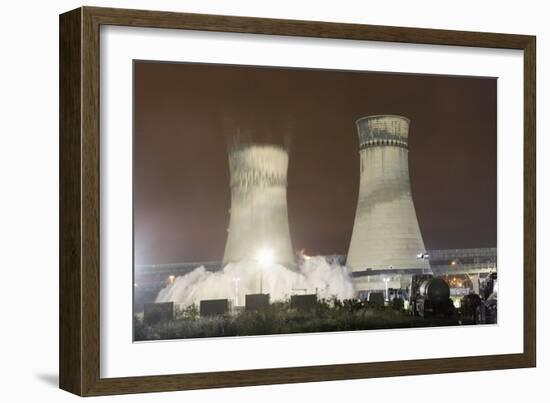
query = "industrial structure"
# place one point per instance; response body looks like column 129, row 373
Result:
column 475, row 264
column 386, row 259
column 258, row 226
column 386, row 235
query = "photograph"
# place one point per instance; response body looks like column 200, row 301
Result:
column 277, row 200
column 251, row 199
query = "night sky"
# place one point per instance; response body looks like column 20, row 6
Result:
column 185, row 114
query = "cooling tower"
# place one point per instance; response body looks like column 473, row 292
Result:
column 258, row 224
column 385, row 233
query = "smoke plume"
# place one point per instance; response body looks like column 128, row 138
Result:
column 235, row 280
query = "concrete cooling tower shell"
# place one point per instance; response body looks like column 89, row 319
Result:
column 258, row 216
column 385, row 234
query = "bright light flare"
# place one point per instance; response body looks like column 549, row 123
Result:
column 303, row 254
column 264, row 256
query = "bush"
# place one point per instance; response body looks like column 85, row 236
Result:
column 329, row 315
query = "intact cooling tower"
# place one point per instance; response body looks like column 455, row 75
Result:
column 386, row 233
column 258, row 225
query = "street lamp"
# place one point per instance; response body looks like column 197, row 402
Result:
column 423, row 256
column 265, row 258
column 386, row 280
column 236, row 281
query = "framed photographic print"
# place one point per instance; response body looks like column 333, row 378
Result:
column 249, row 201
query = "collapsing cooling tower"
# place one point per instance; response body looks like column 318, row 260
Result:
column 386, row 233
column 258, row 225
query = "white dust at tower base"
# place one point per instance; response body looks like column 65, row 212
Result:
column 258, row 224
column 386, row 235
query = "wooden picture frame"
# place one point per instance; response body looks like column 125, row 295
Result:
column 79, row 347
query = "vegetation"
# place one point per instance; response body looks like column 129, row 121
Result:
column 328, row 315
